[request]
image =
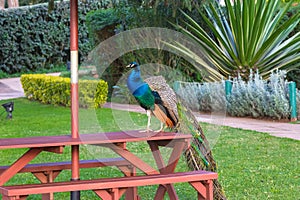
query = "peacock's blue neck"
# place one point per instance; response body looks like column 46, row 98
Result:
column 134, row 80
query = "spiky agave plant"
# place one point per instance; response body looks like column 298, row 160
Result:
column 246, row 35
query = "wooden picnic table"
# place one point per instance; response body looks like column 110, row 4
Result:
column 116, row 141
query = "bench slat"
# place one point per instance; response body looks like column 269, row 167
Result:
column 107, row 183
column 57, row 166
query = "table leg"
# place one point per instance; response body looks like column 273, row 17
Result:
column 47, row 177
column 131, row 193
column 133, row 159
column 19, row 164
column 172, row 163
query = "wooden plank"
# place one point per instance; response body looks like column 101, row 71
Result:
column 19, row 164
column 56, row 166
column 133, row 159
column 107, row 183
column 173, row 160
column 32, row 142
column 96, row 138
column 204, row 188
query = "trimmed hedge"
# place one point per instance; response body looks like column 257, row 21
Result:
column 31, row 37
column 56, row 90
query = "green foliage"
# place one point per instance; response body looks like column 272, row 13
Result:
column 137, row 14
column 32, row 38
column 206, row 97
column 248, row 35
column 101, row 24
column 294, row 76
column 56, row 90
column 260, row 98
column 256, row 97
column 31, row 2
column 293, row 10
column 46, row 89
column 101, row 93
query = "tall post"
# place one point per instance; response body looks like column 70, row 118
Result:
column 293, row 104
column 228, row 87
column 75, row 195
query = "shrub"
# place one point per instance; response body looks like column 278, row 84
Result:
column 260, row 98
column 206, row 97
column 256, row 97
column 298, row 103
column 32, row 37
column 56, row 90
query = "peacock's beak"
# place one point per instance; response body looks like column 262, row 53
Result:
column 128, row 66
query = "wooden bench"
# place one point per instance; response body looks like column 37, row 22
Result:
column 114, row 188
column 59, row 166
column 47, row 172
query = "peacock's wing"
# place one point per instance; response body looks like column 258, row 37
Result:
column 165, row 97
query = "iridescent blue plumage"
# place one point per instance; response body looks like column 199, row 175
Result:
column 140, row 89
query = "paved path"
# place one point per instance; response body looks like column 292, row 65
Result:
column 278, row 129
column 12, row 88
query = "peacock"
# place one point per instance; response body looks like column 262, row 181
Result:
column 157, row 98
column 153, row 101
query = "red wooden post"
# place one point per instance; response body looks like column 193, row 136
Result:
column 74, row 92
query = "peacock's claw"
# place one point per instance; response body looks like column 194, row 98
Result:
column 161, row 128
column 146, row 131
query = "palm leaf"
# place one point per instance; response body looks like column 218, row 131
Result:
column 249, row 35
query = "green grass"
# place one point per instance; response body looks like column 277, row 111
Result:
column 252, row 165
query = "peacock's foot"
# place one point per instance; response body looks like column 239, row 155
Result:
column 146, row 131
column 160, row 130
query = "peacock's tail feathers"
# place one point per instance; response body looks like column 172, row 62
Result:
column 199, row 155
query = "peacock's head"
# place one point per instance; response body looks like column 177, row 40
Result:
column 132, row 65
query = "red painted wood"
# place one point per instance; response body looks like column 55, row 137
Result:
column 58, row 150
column 58, row 166
column 204, row 188
column 74, row 25
column 96, row 138
column 75, row 162
column 133, row 159
column 103, row 194
column 18, row 165
column 200, row 187
column 114, row 140
column 107, row 183
column 172, row 163
column 74, row 109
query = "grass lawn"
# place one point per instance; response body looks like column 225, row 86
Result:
column 252, row 165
